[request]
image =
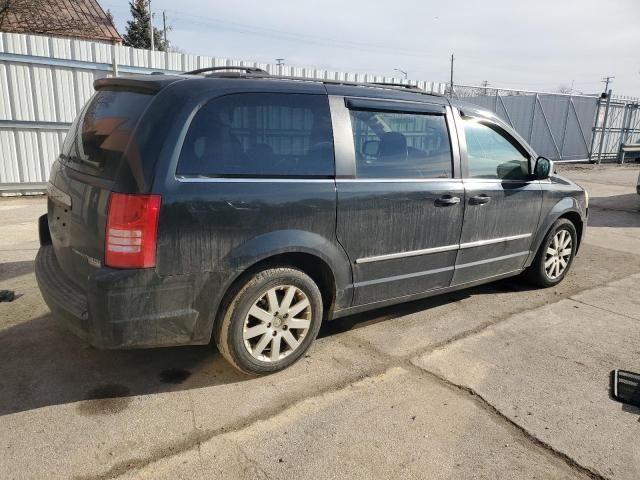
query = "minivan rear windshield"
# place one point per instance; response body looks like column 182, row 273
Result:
column 99, row 136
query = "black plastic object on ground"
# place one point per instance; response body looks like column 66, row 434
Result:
column 625, row 387
column 7, row 295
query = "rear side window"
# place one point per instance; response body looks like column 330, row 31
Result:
column 260, row 135
column 401, row 145
column 99, row 136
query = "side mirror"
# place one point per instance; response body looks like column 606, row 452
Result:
column 370, row 148
column 543, row 168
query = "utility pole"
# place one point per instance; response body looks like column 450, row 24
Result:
column 153, row 46
column 164, row 29
column 403, row 72
column 451, row 79
column 607, row 81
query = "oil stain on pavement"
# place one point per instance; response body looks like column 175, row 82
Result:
column 106, row 400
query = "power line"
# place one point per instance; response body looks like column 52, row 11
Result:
column 607, row 81
column 298, row 37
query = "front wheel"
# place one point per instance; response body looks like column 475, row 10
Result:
column 555, row 256
column 270, row 321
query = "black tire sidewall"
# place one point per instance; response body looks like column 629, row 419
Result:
column 541, row 274
column 254, row 288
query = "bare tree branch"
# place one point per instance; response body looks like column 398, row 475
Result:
column 38, row 16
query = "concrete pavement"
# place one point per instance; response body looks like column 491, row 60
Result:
column 499, row 381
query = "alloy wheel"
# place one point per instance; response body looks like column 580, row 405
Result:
column 558, row 254
column 277, row 323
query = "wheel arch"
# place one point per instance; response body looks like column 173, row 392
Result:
column 324, row 261
column 568, row 208
column 575, row 218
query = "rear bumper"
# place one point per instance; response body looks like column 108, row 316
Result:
column 124, row 308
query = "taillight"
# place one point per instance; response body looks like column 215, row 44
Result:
column 132, row 231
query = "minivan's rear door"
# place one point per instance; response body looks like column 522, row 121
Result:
column 400, row 215
column 100, row 154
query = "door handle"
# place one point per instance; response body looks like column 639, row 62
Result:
column 447, row 201
column 479, row 199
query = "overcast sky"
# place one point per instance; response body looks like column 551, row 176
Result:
column 536, row 45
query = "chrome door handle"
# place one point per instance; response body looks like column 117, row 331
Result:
column 479, row 200
column 447, row 201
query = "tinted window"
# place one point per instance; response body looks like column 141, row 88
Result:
column 492, row 155
column 98, row 138
column 401, row 145
column 259, row 134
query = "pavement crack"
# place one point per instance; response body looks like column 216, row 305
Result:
column 195, row 426
column 603, row 309
column 487, row 406
column 198, row 437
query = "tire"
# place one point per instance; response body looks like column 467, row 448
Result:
column 542, row 271
column 256, row 320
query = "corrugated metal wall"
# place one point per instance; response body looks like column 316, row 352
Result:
column 44, row 81
column 557, row 126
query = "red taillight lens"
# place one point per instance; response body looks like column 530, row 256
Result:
column 132, row 231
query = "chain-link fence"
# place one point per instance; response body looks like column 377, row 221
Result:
column 616, row 129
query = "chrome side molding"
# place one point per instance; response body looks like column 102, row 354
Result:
column 445, row 248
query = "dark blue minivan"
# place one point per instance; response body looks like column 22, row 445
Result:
column 249, row 208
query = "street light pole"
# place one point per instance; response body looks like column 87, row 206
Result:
column 403, row 72
column 451, row 79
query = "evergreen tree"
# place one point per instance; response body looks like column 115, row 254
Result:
column 137, row 30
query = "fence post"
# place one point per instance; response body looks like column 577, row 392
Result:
column 594, row 130
column 604, row 126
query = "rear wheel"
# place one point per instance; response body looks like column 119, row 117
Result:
column 270, row 321
column 555, row 256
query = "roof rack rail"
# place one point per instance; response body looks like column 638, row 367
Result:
column 256, row 73
column 224, row 69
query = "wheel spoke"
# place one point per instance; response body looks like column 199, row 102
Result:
column 557, row 270
column 563, row 263
column 298, row 307
column 290, row 339
column 255, row 331
column 273, row 300
column 567, row 241
column 548, row 263
column 288, row 297
column 262, row 344
column 298, row 323
column 551, row 251
column 260, row 314
column 563, row 234
column 566, row 252
column 275, row 348
column 555, row 242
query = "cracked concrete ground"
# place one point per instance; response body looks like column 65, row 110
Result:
column 499, row 381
